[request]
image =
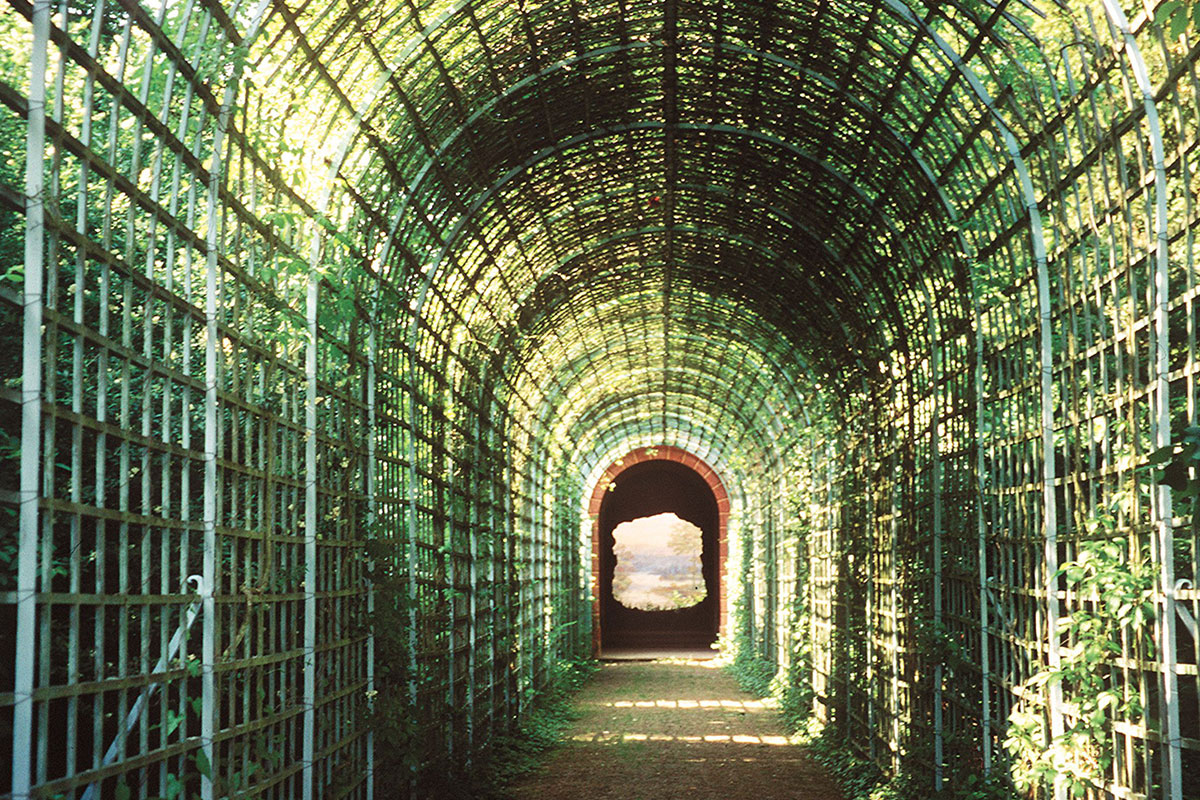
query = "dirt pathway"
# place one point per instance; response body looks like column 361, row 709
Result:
column 664, row 730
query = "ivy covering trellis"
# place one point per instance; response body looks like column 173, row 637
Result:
column 319, row 323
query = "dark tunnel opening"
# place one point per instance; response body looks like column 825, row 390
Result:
column 645, row 490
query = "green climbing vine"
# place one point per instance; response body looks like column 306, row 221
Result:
column 1113, row 583
column 389, row 708
column 1178, row 16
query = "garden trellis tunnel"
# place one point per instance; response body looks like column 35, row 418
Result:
column 327, row 326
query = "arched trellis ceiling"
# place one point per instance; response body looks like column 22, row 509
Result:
column 725, row 370
column 683, row 396
column 565, row 228
column 574, row 193
column 713, row 329
column 622, row 420
column 733, row 464
column 767, row 219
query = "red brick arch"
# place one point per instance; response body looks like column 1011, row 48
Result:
column 610, row 475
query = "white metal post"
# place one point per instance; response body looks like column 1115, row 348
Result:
column 208, row 645
column 935, row 454
column 413, row 496
column 310, row 538
column 210, row 570
column 985, row 710
column 372, row 524
column 1049, row 507
column 894, row 623
column 1173, row 759
column 31, row 407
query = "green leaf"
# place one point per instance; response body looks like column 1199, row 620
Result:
column 1164, row 11
column 122, row 791
column 14, row 275
column 173, row 721
column 192, row 665
column 1174, row 475
column 1179, row 24
column 1162, row 454
column 202, row 764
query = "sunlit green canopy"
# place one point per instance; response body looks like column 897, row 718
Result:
column 691, row 200
column 336, row 317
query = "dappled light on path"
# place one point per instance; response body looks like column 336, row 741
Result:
column 675, row 729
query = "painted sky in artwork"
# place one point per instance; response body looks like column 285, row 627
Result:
column 658, row 563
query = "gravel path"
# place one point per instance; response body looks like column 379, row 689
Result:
column 673, row 729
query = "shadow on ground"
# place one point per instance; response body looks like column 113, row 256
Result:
column 674, row 729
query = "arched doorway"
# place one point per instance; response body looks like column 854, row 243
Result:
column 638, row 602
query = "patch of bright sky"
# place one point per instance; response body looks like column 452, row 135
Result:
column 652, row 536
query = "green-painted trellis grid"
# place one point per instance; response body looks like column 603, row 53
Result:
column 319, row 323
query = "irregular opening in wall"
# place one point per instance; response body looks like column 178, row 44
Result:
column 659, row 564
